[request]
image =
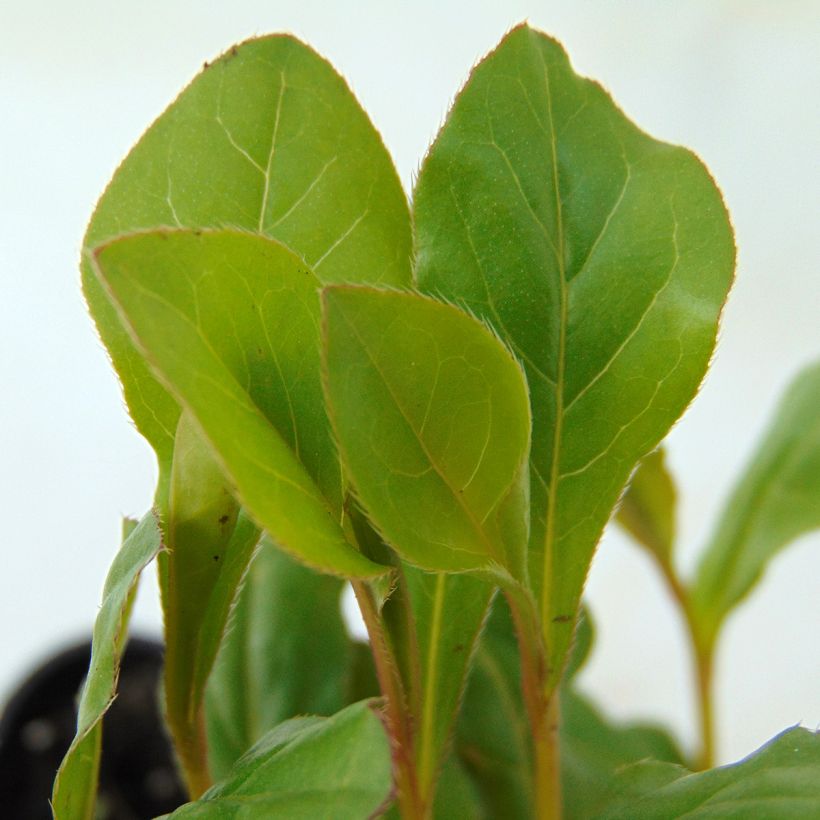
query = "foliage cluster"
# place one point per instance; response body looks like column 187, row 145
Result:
column 441, row 403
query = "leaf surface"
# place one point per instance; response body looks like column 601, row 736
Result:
column 493, row 735
column 287, row 653
column 601, row 256
column 431, row 417
column 449, row 612
column 647, row 510
column 779, row 781
column 431, row 621
column 244, row 360
column 594, row 750
column 75, row 787
column 333, row 768
column 777, row 500
column 268, row 139
column 207, row 555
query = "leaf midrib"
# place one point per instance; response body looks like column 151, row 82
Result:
column 552, row 497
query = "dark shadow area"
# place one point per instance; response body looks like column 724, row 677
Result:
column 138, row 776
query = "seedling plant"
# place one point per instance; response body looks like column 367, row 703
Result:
column 442, row 404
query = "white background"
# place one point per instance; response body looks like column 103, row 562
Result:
column 736, row 81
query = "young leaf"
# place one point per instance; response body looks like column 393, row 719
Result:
column 601, row 256
column 204, row 564
column 336, row 768
column 431, row 622
column 287, row 653
column 647, row 510
column 449, row 612
column 493, row 738
column 75, row 788
column 432, row 421
column 269, row 139
column 779, row 780
column 244, row 360
column 777, row 500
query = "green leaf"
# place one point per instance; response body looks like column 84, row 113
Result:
column 268, row 139
column 334, row 768
column 75, row 788
column 457, row 795
column 777, row 500
column 647, row 511
column 494, row 742
column 778, row 781
column 207, row 555
column 593, row 751
column 432, row 421
column 493, row 737
column 244, row 360
column 432, row 622
column 449, row 613
column 601, row 256
column 287, row 653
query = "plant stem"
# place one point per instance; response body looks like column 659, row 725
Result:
column 542, row 708
column 703, row 662
column 704, row 667
column 412, row 805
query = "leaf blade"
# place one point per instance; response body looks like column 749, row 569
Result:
column 776, row 500
column 287, row 653
column 420, row 366
column 75, row 786
column 778, row 780
column 337, row 767
column 449, row 613
column 246, row 366
column 647, row 510
column 269, row 139
column 602, row 258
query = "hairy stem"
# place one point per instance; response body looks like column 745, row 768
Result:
column 541, row 705
column 412, row 805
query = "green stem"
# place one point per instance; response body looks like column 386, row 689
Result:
column 704, row 666
column 412, row 805
column 703, row 662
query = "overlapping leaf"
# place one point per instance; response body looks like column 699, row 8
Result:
column 601, row 256
column 244, row 360
column 432, row 622
column 269, row 139
column 778, row 781
column 449, row 612
column 432, row 421
column 206, row 558
column 777, row 500
column 335, row 768
column 75, row 788
column 494, row 741
column 647, row 510
column 287, row 653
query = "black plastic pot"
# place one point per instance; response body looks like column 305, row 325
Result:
column 138, row 775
